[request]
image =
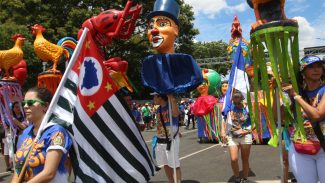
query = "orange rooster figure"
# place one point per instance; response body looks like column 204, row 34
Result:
column 46, row 50
column 9, row 58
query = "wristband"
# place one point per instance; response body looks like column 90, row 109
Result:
column 296, row 97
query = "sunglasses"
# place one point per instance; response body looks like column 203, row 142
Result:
column 204, row 82
column 31, row 102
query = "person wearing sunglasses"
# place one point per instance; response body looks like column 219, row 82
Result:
column 49, row 155
column 307, row 158
column 240, row 136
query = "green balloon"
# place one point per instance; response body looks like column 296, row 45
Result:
column 215, row 81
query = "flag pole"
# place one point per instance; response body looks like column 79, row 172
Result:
column 280, row 131
column 63, row 80
column 278, row 109
column 228, row 118
column 54, row 100
column 172, row 136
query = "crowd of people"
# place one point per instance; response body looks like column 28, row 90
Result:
column 145, row 114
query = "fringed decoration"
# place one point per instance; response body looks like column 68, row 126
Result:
column 49, row 80
column 10, row 92
column 284, row 67
column 211, row 124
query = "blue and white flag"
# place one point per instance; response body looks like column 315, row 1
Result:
column 237, row 80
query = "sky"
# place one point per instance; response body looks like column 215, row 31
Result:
column 213, row 18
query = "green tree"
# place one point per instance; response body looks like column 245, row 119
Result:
column 210, row 50
column 187, row 33
column 63, row 18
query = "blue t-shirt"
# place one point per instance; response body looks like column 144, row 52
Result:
column 240, row 118
column 165, row 116
column 54, row 137
column 182, row 108
column 137, row 115
column 314, row 98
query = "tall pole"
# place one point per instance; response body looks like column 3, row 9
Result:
column 278, row 109
column 172, row 136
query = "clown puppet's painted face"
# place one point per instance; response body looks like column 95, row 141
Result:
column 162, row 32
column 203, row 89
column 224, row 88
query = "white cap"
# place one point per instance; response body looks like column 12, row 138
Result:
column 154, row 93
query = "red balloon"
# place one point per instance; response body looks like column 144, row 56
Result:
column 203, row 105
column 19, row 71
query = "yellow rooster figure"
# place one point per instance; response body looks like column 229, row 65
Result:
column 12, row 57
column 46, row 50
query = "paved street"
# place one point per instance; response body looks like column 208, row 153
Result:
column 211, row 162
column 4, row 176
column 207, row 163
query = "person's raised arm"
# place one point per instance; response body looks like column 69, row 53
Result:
column 18, row 123
column 313, row 113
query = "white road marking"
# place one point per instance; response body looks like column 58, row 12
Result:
column 148, row 141
column 5, row 173
column 197, row 152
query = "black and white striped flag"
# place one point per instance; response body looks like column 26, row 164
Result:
column 108, row 145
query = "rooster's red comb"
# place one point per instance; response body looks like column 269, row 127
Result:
column 205, row 70
column 16, row 36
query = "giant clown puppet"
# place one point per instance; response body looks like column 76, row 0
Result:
column 168, row 72
column 224, row 87
column 207, row 110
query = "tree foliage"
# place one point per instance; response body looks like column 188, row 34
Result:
column 212, row 49
column 63, row 18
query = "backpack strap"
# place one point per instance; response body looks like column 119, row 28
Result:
column 319, row 134
column 164, row 125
